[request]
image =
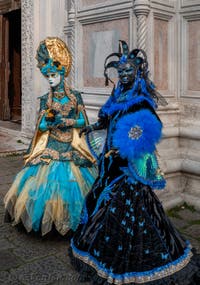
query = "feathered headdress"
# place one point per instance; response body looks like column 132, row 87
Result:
column 125, row 56
column 137, row 58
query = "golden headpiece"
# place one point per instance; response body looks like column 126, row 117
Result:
column 54, row 50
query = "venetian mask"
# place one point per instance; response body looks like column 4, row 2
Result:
column 126, row 73
column 54, row 78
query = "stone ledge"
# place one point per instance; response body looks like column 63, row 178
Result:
column 192, row 200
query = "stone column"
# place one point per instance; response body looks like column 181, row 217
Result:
column 141, row 9
column 69, row 30
column 28, row 98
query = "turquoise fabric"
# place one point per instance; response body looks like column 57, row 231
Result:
column 58, row 182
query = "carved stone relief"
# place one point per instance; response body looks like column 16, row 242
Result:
column 28, row 102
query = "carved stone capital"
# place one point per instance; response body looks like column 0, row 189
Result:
column 141, row 7
column 72, row 13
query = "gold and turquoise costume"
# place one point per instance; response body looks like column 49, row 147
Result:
column 59, row 170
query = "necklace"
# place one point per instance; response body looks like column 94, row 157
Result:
column 59, row 95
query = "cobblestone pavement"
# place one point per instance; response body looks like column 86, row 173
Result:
column 29, row 259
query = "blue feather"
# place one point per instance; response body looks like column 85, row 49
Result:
column 137, row 134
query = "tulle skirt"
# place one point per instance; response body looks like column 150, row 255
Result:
column 44, row 195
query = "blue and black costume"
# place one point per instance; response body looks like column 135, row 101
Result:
column 124, row 236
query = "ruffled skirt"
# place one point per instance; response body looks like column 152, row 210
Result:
column 44, row 195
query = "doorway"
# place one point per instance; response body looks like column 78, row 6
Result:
column 10, row 66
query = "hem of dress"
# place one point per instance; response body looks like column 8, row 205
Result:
column 187, row 275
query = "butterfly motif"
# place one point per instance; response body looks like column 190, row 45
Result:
column 133, row 219
column 146, row 251
column 113, row 210
column 164, row 256
column 96, row 253
column 102, row 264
column 123, row 222
column 128, row 230
column 122, row 193
column 120, row 247
column 127, row 214
column 107, row 238
column 141, row 224
column 128, row 202
column 111, row 269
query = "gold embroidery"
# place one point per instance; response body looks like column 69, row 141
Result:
column 61, row 136
column 69, row 122
column 52, row 152
column 67, row 155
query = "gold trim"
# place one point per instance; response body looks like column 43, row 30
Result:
column 81, row 146
column 39, row 143
column 139, row 280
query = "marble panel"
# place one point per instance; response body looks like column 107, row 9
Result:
column 194, row 55
column 161, row 54
column 99, row 40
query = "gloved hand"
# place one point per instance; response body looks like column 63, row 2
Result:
column 113, row 152
column 53, row 118
column 86, row 130
column 99, row 125
column 50, row 115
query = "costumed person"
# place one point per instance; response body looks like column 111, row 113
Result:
column 124, row 236
column 59, row 168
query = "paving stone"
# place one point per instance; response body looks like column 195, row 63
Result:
column 8, row 279
column 5, row 244
column 2, row 219
column 41, row 272
column 8, row 260
column 70, row 278
column 30, row 250
column 5, row 230
column 193, row 231
column 8, row 179
column 64, row 257
column 178, row 223
column 188, row 215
